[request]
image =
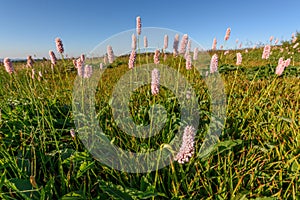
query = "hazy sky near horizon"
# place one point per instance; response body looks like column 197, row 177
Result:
column 30, row 27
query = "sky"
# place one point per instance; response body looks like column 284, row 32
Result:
column 30, row 27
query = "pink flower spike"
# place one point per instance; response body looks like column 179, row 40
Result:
column 175, row 45
column 183, row 44
column 138, row 25
column 155, row 78
column 214, row 45
column 187, row 148
column 156, row 56
column 133, row 42
column 131, row 59
column 59, row 45
column 188, row 62
column 227, row 35
column 166, row 38
column 110, row 54
column 145, row 42
column 214, row 64
column 238, row 59
column 8, row 65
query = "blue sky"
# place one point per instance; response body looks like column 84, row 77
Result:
column 30, row 27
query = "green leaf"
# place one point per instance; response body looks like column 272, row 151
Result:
column 85, row 166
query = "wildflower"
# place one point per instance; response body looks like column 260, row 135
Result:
column 266, row 52
column 72, row 133
column 195, row 56
column 110, row 54
column 240, row 46
column 40, row 74
column 183, row 44
column 166, row 38
column 80, row 67
column 175, row 45
column 214, row 64
column 101, row 66
column 280, row 67
column 287, row 62
column 227, row 35
column 133, row 42
column 88, row 71
column 82, row 57
column 156, row 56
column 138, row 25
column 155, row 78
column 296, row 45
column 145, row 42
column 188, row 62
column 187, row 148
column 52, row 58
column 132, row 59
column 59, row 45
column 246, row 51
column 8, row 65
column 237, row 41
column 29, row 61
column 271, row 38
column 276, row 41
column 238, row 58
column 214, row 45
column 226, row 52
column 294, row 40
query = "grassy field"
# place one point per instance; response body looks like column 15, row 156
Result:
column 258, row 155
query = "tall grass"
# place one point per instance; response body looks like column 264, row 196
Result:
column 258, row 154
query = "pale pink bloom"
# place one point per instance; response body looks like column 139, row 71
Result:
column 133, row 42
column 59, row 45
column 226, row 52
column 110, row 54
column 237, row 41
column 188, row 62
column 214, row 45
column 101, row 66
column 276, row 41
column 280, row 67
column 88, row 71
column 52, row 57
column 271, row 38
column 175, row 45
column 183, row 44
column 195, row 56
column 287, row 62
column 227, row 35
column 294, row 39
column 8, row 65
column 82, row 57
column 166, row 39
column 155, row 78
column 296, row 45
column 187, row 148
column 238, row 58
column 156, row 56
column 40, row 74
column 29, row 61
column 266, row 52
column 80, row 67
column 240, row 46
column 72, row 133
column 246, row 51
column 214, row 64
column 138, row 25
column 132, row 59
column 145, row 42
